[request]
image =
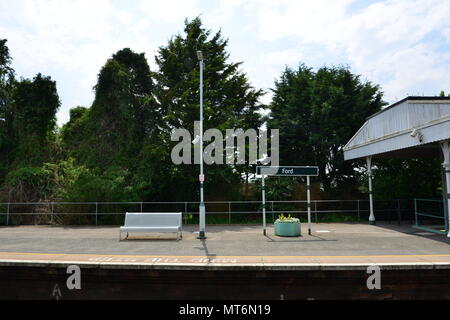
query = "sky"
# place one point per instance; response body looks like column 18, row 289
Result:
column 402, row 45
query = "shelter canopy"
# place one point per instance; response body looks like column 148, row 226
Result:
column 410, row 128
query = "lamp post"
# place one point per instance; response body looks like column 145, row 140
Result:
column 201, row 235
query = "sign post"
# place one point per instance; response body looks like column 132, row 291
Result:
column 264, row 205
column 287, row 172
column 308, row 189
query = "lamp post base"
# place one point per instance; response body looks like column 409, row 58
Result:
column 201, row 235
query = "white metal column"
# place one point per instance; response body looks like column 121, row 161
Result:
column 369, row 173
column 264, row 204
column 308, row 187
column 446, row 151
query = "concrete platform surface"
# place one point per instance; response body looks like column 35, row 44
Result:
column 332, row 245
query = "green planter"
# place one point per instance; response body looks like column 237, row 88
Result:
column 286, row 229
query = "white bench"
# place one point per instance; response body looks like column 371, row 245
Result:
column 152, row 222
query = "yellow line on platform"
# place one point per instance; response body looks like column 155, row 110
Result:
column 215, row 257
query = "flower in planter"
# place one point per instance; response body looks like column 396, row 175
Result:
column 283, row 219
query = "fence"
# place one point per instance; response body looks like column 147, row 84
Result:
column 217, row 212
column 430, row 216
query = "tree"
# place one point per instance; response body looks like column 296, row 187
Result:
column 6, row 82
column 120, row 118
column 27, row 130
column 30, row 119
column 72, row 133
column 6, row 77
column 229, row 99
column 317, row 113
column 108, row 138
column 407, row 179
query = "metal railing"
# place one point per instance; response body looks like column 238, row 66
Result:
column 217, row 211
column 430, row 216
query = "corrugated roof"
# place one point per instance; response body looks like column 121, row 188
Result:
column 390, row 129
column 411, row 98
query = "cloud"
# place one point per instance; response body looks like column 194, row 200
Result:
column 385, row 41
column 274, row 62
column 312, row 21
column 171, row 11
column 64, row 39
column 70, row 40
column 446, row 34
column 391, row 45
column 404, row 45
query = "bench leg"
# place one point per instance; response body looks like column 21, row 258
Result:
column 120, row 236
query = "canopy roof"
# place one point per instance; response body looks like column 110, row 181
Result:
column 410, row 128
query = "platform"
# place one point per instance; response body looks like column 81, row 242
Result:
column 234, row 262
column 332, row 245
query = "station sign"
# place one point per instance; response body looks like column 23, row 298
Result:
column 287, row 171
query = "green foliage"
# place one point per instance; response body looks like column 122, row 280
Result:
column 52, row 181
column 66, row 181
column 407, row 179
column 278, row 188
column 112, row 185
column 30, row 119
column 121, row 117
column 119, row 149
column 6, row 77
column 310, row 109
column 6, row 82
column 28, row 184
column 34, row 106
column 27, row 123
column 74, row 130
column 341, row 217
column 229, row 100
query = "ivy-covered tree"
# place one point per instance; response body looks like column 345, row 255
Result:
column 6, row 77
column 73, row 131
column 6, row 83
column 31, row 119
column 111, row 132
